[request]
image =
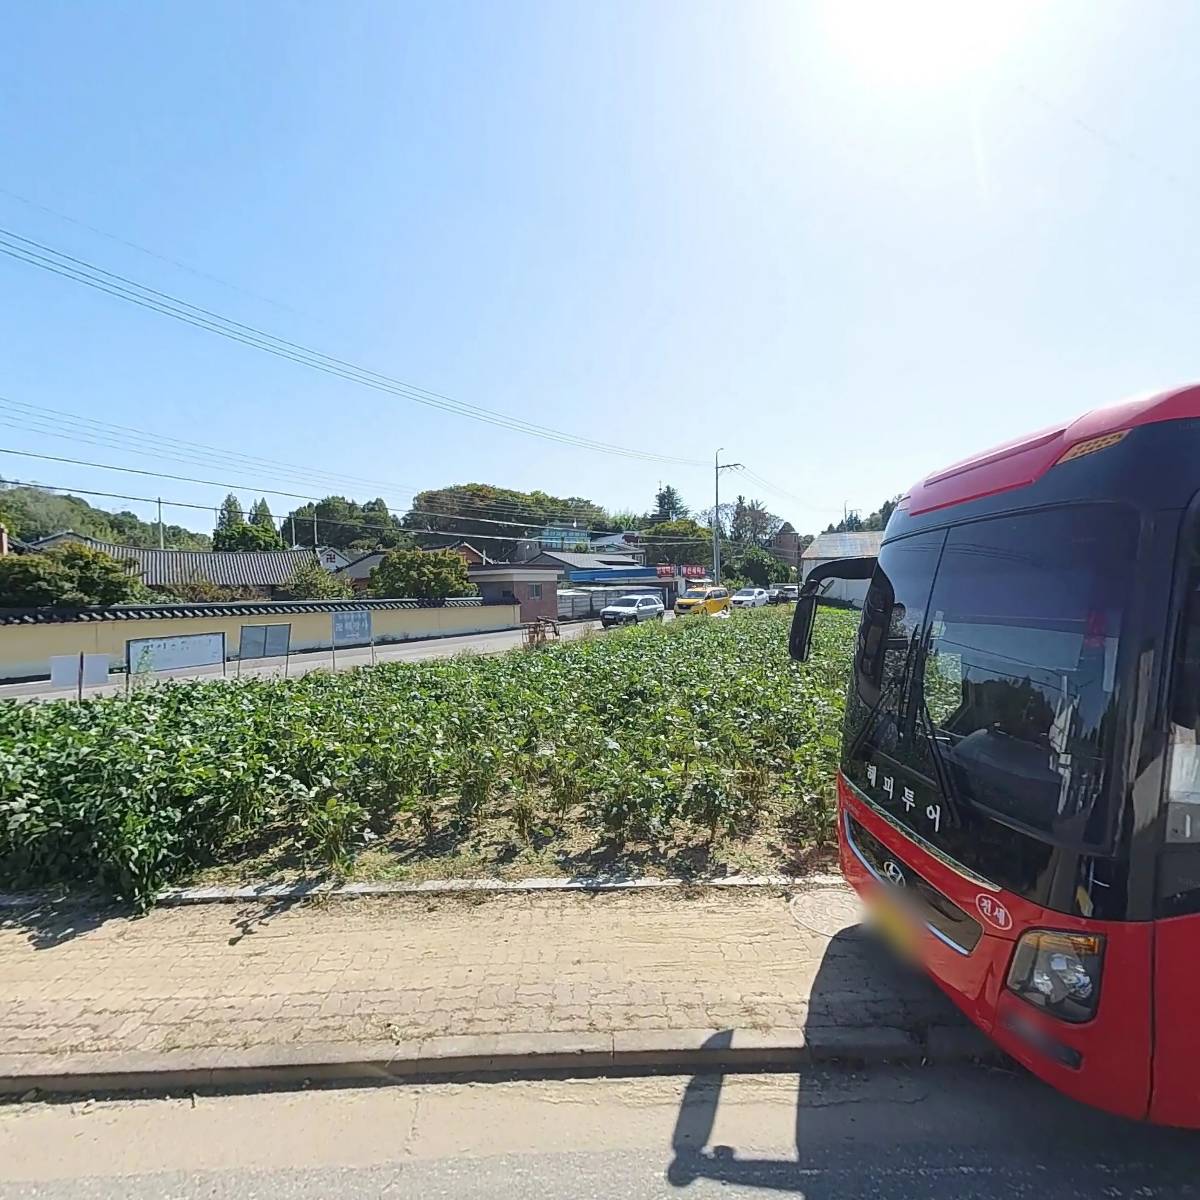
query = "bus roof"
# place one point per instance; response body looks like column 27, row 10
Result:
column 1024, row 460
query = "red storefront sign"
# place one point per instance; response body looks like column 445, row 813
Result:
column 688, row 571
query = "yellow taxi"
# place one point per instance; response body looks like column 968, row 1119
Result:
column 702, row 599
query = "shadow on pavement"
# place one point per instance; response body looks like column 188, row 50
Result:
column 953, row 1122
column 52, row 924
column 258, row 914
column 858, row 983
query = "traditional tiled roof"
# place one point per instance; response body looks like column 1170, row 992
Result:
column 225, row 568
column 242, row 608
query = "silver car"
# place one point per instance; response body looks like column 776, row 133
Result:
column 629, row 610
column 749, row 597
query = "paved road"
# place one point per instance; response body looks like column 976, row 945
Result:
column 894, row 1133
column 301, row 664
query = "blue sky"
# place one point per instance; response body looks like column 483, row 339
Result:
column 847, row 248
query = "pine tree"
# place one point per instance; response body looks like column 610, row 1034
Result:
column 668, row 505
column 231, row 513
column 260, row 514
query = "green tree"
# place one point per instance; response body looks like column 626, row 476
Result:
column 32, row 513
column 247, row 537
column 756, row 565
column 668, row 506
column 739, row 526
column 682, row 541
column 493, row 519
column 752, row 523
column 232, row 532
column 761, row 525
column 230, row 514
column 260, row 514
column 345, row 524
column 622, row 519
column 310, row 581
column 421, row 575
column 878, row 520
column 68, row 576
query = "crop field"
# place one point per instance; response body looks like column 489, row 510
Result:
column 691, row 747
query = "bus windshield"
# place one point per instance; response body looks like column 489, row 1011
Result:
column 985, row 676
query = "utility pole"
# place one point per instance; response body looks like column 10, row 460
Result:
column 314, row 528
column 718, row 467
column 161, row 544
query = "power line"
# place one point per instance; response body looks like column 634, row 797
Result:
column 761, row 482
column 121, row 437
column 165, row 258
column 247, row 487
column 161, row 443
column 79, row 270
column 518, row 515
column 757, row 479
column 527, row 519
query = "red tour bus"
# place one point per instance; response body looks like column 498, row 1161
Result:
column 1019, row 792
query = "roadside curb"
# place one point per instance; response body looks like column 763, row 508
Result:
column 300, row 891
column 485, row 1056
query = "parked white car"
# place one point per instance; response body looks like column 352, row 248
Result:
column 629, row 610
column 749, row 598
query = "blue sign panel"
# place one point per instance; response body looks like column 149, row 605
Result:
column 352, row 628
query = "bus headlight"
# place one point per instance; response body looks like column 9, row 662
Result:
column 1058, row 972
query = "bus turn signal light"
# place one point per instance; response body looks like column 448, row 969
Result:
column 1091, row 446
column 1058, row 973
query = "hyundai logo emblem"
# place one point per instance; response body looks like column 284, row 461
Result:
column 894, row 873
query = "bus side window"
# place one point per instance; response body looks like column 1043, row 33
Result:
column 1183, row 788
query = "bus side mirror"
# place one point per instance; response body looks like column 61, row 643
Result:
column 800, row 639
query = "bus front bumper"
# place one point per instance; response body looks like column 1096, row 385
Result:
column 1104, row 1062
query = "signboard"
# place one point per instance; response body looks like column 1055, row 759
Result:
column 95, row 670
column 64, row 670
column 687, row 570
column 264, row 641
column 78, row 670
column 174, row 653
column 352, row 628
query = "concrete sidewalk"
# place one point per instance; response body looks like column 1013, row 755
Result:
column 222, row 994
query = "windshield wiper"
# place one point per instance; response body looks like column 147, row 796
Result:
column 900, row 681
column 941, row 768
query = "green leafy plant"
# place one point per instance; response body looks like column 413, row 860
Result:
column 686, row 730
column 332, row 824
column 524, row 816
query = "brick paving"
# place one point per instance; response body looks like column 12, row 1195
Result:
column 222, row 976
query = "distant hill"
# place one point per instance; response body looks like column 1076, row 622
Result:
column 32, row 513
